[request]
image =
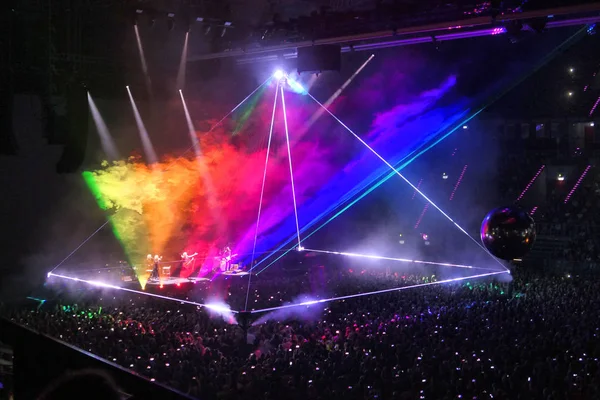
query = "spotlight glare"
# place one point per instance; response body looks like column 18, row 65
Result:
column 278, row 74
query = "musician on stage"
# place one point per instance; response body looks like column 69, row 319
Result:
column 154, row 275
column 187, row 261
column 227, row 257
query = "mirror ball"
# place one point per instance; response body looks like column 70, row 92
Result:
column 508, row 232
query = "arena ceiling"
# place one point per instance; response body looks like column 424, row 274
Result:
column 242, row 27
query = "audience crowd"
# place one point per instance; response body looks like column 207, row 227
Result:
column 528, row 335
column 533, row 338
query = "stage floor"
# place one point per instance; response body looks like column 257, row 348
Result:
column 179, row 281
column 174, row 281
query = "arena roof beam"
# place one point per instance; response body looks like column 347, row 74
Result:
column 460, row 29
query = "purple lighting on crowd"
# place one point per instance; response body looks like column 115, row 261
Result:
column 584, row 173
column 531, row 182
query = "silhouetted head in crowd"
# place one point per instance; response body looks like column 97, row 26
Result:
column 88, row 384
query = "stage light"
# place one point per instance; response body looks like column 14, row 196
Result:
column 570, row 94
column 444, row 176
column 199, row 19
column 571, row 70
column 560, row 177
column 279, row 74
column 465, row 126
column 296, row 87
column 591, row 124
column 135, row 16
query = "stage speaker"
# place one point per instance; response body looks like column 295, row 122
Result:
column 319, row 58
column 76, row 134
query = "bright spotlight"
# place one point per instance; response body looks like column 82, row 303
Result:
column 278, row 74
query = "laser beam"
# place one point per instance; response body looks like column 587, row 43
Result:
column 226, row 115
column 108, row 144
column 80, row 246
column 467, row 115
column 262, row 192
column 158, row 296
column 403, row 177
column 374, row 257
column 146, row 142
column 352, row 296
column 287, row 139
column 178, row 158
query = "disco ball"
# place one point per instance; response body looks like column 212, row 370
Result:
column 508, row 232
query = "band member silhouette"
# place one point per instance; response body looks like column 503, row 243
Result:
column 187, row 261
column 154, row 275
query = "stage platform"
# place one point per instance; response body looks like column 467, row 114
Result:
column 235, row 273
column 179, row 281
column 174, row 281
